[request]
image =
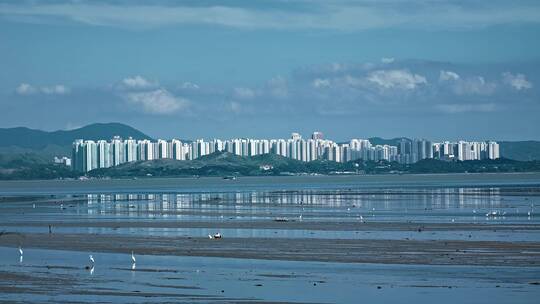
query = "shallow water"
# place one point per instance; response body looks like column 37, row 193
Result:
column 498, row 208
column 267, row 183
column 164, row 278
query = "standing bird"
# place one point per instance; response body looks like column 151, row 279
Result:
column 92, row 260
column 133, row 260
column 20, row 251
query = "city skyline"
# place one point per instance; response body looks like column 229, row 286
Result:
column 94, row 154
column 263, row 68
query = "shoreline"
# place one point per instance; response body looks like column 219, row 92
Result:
column 112, row 178
column 268, row 183
column 408, row 252
column 290, row 225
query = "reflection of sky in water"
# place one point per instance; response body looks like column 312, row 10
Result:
column 464, row 235
column 436, row 205
column 441, row 205
column 175, row 279
column 194, row 277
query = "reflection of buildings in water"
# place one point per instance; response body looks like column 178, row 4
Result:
column 256, row 202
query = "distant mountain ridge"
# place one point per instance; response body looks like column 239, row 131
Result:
column 37, row 139
column 22, row 140
column 520, row 150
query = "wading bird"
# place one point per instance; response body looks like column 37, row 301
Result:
column 92, row 260
column 20, row 255
column 133, row 260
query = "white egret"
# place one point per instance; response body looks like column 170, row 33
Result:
column 133, row 260
column 20, row 251
column 92, row 260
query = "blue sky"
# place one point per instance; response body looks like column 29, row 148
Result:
column 189, row 69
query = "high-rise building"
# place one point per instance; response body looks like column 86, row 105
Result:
column 88, row 155
column 317, row 135
column 493, row 150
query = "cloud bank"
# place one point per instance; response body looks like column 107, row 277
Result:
column 296, row 15
column 28, row 89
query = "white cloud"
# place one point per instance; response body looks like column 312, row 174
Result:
column 517, row 81
column 399, row 79
column 462, row 108
column 189, row 86
column 138, row 82
column 244, row 93
column 387, row 60
column 28, row 89
column 56, row 89
column 448, row 75
column 321, row 83
column 158, row 101
column 476, row 85
column 25, row 89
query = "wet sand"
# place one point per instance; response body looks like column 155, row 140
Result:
column 292, row 224
column 479, row 253
column 327, row 244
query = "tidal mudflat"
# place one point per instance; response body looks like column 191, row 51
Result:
column 449, row 238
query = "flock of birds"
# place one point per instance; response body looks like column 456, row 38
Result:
column 90, row 258
column 133, row 258
column 490, row 214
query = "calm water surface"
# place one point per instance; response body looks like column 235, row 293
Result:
column 505, row 200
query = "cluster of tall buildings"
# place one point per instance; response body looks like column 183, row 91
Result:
column 411, row 151
column 88, row 154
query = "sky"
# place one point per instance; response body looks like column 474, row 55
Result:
column 442, row 70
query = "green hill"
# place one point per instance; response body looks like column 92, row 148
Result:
column 215, row 164
column 30, row 166
column 223, row 164
column 520, row 150
column 22, row 140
